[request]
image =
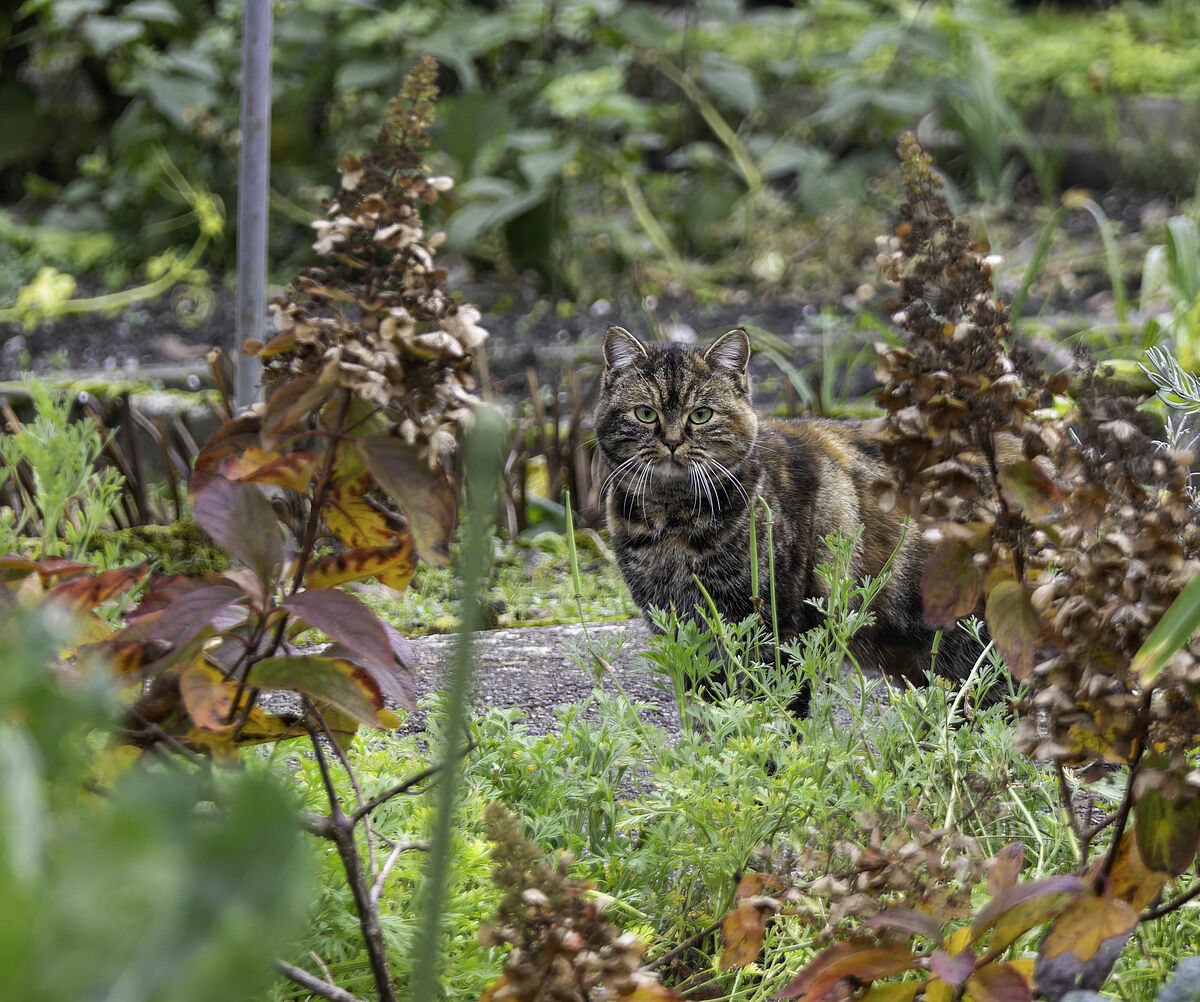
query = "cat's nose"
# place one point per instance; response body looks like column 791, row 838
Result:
column 673, row 443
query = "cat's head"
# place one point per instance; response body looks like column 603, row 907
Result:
column 674, row 412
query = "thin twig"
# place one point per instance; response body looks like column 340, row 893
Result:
column 310, row 982
column 397, row 849
column 169, row 739
column 1126, row 807
column 687, row 944
column 339, row 828
column 408, row 784
column 344, row 759
column 1169, row 906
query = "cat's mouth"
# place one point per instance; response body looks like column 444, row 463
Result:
column 673, row 468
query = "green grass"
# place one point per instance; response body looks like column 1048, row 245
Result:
column 530, row 585
column 664, row 824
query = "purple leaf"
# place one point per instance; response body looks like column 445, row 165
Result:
column 242, row 520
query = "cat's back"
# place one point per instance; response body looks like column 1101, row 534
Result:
column 805, row 451
column 828, row 476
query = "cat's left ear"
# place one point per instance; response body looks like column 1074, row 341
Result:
column 731, row 351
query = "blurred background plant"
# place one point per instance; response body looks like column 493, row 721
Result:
column 711, row 144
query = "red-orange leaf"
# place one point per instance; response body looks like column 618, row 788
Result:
column 1015, row 911
column 1086, row 924
column 754, row 885
column 279, row 344
column 126, row 657
column 953, row 968
column 84, row 593
column 242, row 520
column 1026, row 486
column 424, row 494
column 347, row 620
column 291, row 406
column 14, row 567
column 838, row 972
column 742, row 932
column 231, row 438
column 909, row 921
column 952, row 580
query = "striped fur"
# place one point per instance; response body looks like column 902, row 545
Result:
column 687, row 455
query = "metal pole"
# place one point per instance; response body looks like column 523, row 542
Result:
column 253, row 176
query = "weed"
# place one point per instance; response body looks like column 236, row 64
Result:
column 49, row 465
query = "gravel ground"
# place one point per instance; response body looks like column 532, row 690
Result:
column 541, row 668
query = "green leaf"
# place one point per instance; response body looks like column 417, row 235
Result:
column 424, row 494
column 1014, row 624
column 642, row 25
column 107, row 33
column 732, row 85
column 1168, row 831
column 1029, row 488
column 336, row 681
column 242, row 520
column 363, row 74
column 477, row 218
column 1177, row 626
column 178, row 97
column 156, row 11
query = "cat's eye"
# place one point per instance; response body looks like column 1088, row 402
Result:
column 700, row 415
column 647, row 415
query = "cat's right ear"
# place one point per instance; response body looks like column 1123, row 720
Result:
column 621, row 349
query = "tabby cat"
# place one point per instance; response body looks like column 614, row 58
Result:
column 688, row 455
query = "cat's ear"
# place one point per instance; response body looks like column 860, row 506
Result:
column 621, row 349
column 730, row 351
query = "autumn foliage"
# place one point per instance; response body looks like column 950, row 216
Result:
column 344, row 473
column 1060, row 520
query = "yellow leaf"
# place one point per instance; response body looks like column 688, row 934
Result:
column 392, row 565
column 742, row 932
column 936, row 990
column 892, row 991
column 1086, row 924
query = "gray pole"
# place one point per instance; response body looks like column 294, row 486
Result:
column 253, row 174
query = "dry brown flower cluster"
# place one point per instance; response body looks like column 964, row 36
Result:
column 564, row 949
column 913, row 865
column 375, row 317
column 1066, row 525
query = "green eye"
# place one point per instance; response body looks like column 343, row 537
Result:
column 647, row 415
column 700, row 415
